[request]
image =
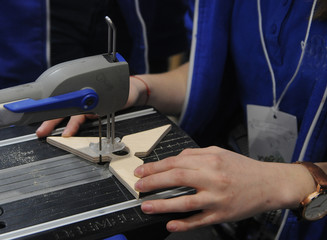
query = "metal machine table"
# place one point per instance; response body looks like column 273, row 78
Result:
column 81, row 209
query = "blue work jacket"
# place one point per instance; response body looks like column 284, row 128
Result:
column 228, row 69
column 25, row 39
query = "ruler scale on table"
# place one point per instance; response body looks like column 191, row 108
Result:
column 58, row 131
column 67, row 209
column 91, row 214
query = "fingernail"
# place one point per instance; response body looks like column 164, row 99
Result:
column 39, row 129
column 138, row 172
column 39, row 132
column 138, row 185
column 147, row 207
column 172, row 227
column 65, row 133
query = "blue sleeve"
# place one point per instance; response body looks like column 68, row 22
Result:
column 188, row 19
column 22, row 41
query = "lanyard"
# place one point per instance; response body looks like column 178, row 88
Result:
column 276, row 102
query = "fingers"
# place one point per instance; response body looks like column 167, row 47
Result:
column 73, row 125
column 47, row 127
column 172, row 178
column 202, row 219
column 71, row 129
column 188, row 158
column 155, row 167
column 184, row 162
column 183, row 204
column 186, row 203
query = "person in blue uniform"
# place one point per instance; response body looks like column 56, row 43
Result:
column 260, row 64
column 36, row 35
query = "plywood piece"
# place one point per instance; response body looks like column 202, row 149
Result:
column 78, row 146
column 138, row 145
column 123, row 169
column 142, row 143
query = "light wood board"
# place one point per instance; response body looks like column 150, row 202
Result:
column 138, row 145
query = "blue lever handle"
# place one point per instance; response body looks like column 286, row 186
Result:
column 85, row 99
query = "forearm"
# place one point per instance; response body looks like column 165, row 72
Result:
column 294, row 183
column 323, row 166
column 168, row 90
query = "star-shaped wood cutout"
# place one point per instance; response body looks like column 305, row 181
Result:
column 122, row 166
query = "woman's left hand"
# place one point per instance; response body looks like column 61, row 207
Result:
column 228, row 186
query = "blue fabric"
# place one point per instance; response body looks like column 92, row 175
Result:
column 228, row 36
column 23, row 33
column 210, row 64
column 284, row 49
column 22, row 38
column 117, row 237
column 303, row 230
column 165, row 35
column 23, row 41
column 135, row 29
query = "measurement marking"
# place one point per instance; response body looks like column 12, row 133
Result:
column 58, row 131
column 91, row 214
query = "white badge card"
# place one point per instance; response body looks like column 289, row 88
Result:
column 272, row 134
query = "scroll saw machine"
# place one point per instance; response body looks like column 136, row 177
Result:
column 91, row 209
column 97, row 84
